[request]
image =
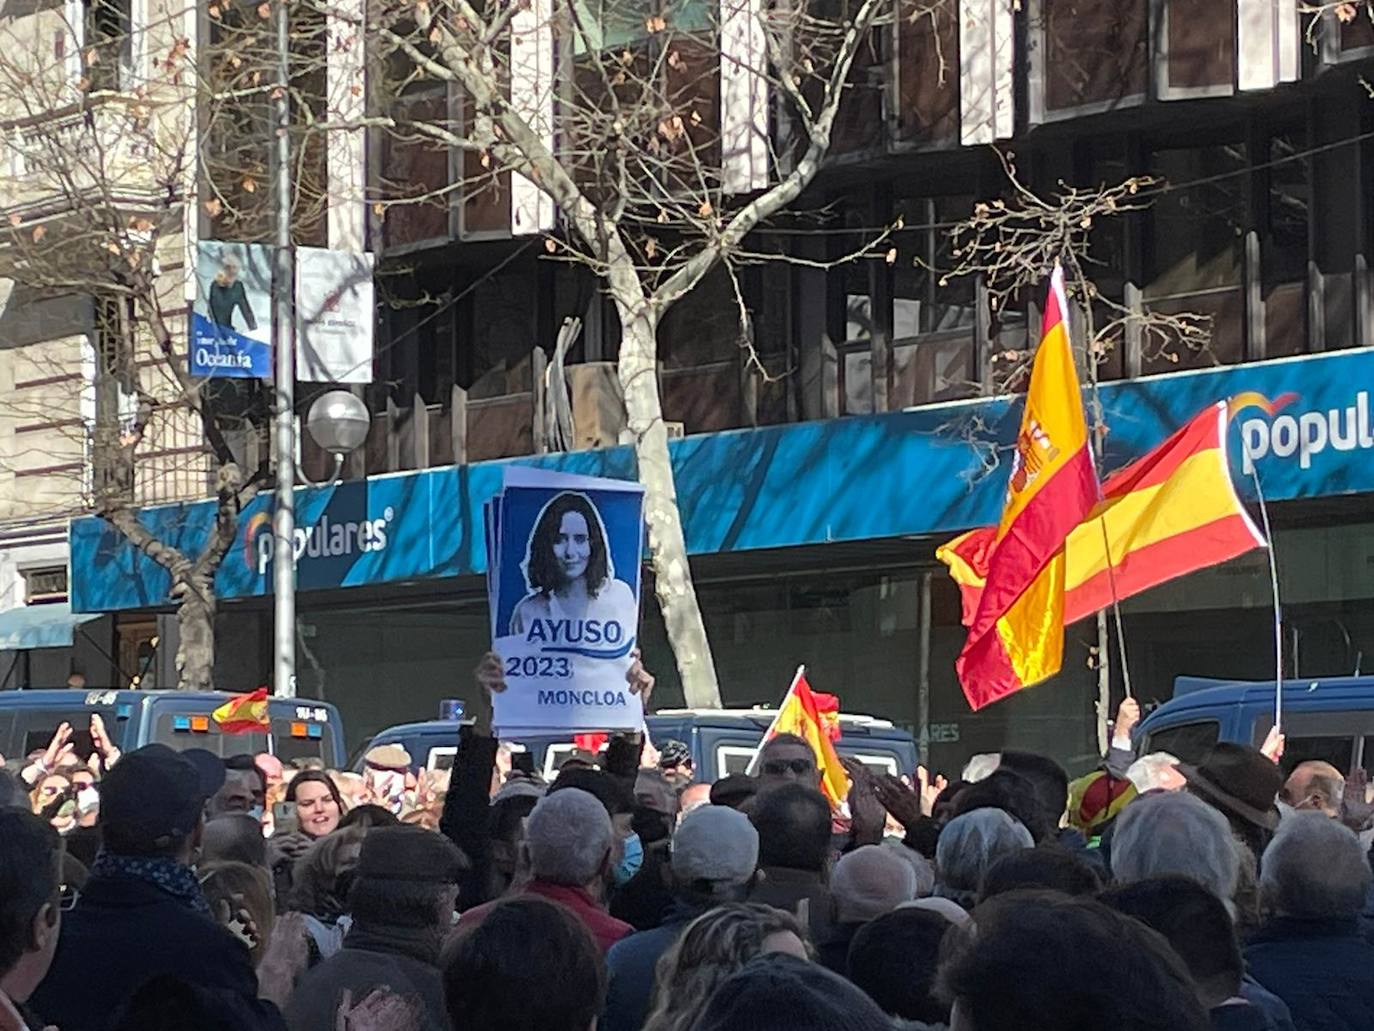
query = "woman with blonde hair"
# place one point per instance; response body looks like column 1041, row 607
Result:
column 714, row 946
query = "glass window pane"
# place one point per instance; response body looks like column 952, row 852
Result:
column 1189, row 742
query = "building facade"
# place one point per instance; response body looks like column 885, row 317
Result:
column 817, row 480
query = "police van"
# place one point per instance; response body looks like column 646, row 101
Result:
column 1327, row 718
column 300, row 728
column 722, row 741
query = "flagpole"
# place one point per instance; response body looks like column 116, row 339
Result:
column 772, row 727
column 1096, row 445
column 1274, row 587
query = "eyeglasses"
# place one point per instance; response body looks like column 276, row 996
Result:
column 781, row 767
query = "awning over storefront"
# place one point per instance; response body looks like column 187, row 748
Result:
column 1306, row 425
column 40, row 626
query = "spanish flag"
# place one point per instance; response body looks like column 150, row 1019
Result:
column 1016, row 633
column 814, row 718
column 243, row 714
column 1171, row 512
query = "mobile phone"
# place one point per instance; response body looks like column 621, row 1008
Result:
column 284, row 819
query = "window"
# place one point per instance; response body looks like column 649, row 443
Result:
column 604, row 24
column 1197, row 48
column 1283, row 242
column 1189, row 742
column 111, row 38
column 1093, row 55
column 933, row 337
column 1194, row 244
column 928, row 76
column 48, row 584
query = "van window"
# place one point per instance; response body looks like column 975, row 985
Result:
column 878, row 762
column 1189, row 742
column 732, row 759
column 1334, row 737
column 181, row 731
column 34, row 728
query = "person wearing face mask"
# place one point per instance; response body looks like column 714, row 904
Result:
column 87, row 795
column 243, row 792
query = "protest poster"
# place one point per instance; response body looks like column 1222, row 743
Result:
column 231, row 322
column 563, row 579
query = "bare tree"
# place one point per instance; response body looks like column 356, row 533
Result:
column 647, row 130
column 101, row 136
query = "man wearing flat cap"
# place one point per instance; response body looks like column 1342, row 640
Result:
column 402, row 902
column 141, row 914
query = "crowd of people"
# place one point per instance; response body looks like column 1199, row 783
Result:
column 169, row 891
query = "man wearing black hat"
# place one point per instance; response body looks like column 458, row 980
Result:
column 402, row 904
column 142, row 914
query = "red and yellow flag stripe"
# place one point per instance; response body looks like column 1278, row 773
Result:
column 1016, row 631
column 1171, row 512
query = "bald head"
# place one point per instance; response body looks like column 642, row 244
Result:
column 1316, row 786
column 869, row 882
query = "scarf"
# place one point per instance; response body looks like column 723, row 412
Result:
column 176, row 879
column 419, row 943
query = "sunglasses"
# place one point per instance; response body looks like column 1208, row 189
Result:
column 781, row 767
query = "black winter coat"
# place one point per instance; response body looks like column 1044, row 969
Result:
column 123, row 933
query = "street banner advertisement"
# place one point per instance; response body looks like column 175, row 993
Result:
column 231, row 322
column 563, row 576
column 335, row 310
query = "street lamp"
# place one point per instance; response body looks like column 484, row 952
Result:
column 338, row 422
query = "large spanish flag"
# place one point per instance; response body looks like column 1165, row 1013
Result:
column 1170, row 512
column 1016, row 633
column 813, row 717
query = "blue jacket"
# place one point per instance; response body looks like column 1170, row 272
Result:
column 631, row 963
column 124, row 932
column 1322, row 969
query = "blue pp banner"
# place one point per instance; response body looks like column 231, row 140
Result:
column 231, row 323
column 564, row 595
column 927, row 472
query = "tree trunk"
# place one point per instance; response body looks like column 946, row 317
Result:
column 677, row 597
column 195, row 660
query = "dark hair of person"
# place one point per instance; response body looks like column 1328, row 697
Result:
column 1040, row 961
column 530, row 965
column 83, row 843
column 29, row 880
column 316, row 777
column 12, row 795
column 793, row 822
column 617, row 796
column 1012, row 793
column 368, row 816
column 244, row 763
column 1194, row 921
column 169, row 1003
column 504, row 818
column 894, row 959
column 782, row 991
column 542, row 568
column 323, row 876
column 1047, row 777
column 1048, row 866
column 234, row 838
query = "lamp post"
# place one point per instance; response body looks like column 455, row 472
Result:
column 338, row 422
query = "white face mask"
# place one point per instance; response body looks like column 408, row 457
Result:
column 88, row 800
column 256, row 813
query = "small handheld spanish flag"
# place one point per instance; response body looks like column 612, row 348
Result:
column 243, row 714
column 814, row 718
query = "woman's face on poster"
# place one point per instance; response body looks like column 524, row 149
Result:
column 572, row 546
